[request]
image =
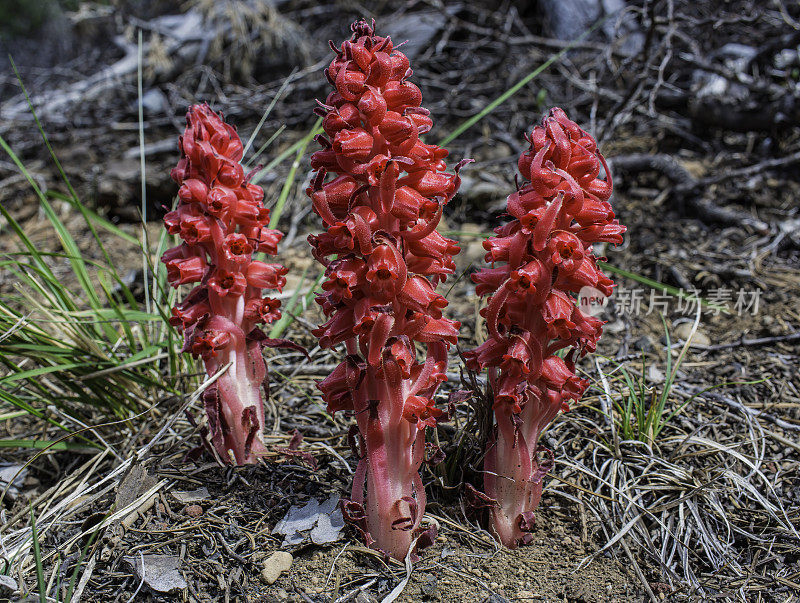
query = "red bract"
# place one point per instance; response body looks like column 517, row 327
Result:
column 222, row 221
column 381, row 210
column 545, row 258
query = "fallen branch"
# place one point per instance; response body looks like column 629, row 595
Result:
column 742, row 342
column 686, row 187
column 185, row 31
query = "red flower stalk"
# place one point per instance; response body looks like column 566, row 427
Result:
column 222, row 221
column 381, row 211
column 540, row 259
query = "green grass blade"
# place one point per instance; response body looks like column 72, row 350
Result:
column 653, row 284
column 74, row 196
column 43, row 370
column 65, row 238
column 271, row 106
column 64, row 297
column 12, row 415
column 22, row 405
column 89, row 543
column 145, row 246
column 287, row 186
column 265, row 146
column 289, row 316
column 37, row 557
column 45, row 445
column 286, row 314
column 303, row 142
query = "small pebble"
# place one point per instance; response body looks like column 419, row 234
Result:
column 275, row 565
column 683, row 330
column 194, row 510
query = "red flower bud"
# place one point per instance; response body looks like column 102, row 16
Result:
column 421, row 411
column 195, row 229
column 193, row 191
column 353, row 144
column 264, row 309
column 237, row 249
column 345, row 276
column 267, row 240
column 183, row 318
column 207, row 343
column 372, row 106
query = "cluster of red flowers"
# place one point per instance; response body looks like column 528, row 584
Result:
column 222, row 220
column 545, row 257
column 381, row 211
column 380, row 191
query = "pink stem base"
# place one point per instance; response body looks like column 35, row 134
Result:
column 513, row 476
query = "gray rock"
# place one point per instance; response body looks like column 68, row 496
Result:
column 363, row 597
column 11, row 478
column 417, row 29
column 683, row 330
column 330, row 523
column 136, row 482
column 567, row 19
column 154, row 102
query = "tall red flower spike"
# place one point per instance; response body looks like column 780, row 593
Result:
column 383, row 260
column 540, row 260
column 222, row 221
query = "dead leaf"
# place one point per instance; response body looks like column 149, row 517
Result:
column 159, row 572
column 191, row 496
column 135, row 483
column 323, row 521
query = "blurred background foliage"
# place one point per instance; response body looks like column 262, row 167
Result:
column 23, row 17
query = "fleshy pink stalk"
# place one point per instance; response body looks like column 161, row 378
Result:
column 383, row 259
column 222, row 221
column 540, row 260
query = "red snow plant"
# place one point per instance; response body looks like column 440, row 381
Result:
column 383, row 260
column 540, row 260
column 222, row 221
